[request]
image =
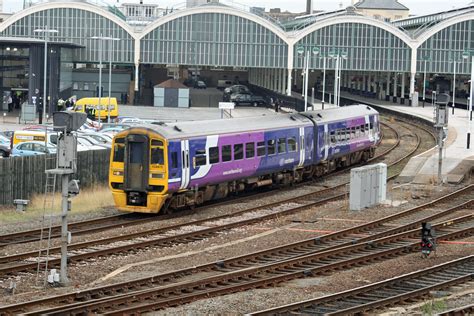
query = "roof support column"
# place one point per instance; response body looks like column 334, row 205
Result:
column 395, row 76
column 290, row 68
column 402, row 96
column 283, row 81
column 387, row 90
column 414, row 53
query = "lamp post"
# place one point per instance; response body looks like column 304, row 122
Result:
column 454, row 61
column 324, row 80
column 338, row 55
column 466, row 55
column 111, row 39
column 46, row 32
column 302, row 51
column 425, row 59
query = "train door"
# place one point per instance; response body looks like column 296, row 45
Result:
column 302, row 148
column 136, row 173
column 185, row 164
column 326, row 142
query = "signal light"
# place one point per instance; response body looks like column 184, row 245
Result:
column 428, row 241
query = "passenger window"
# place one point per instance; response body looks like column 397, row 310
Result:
column 226, row 153
column 271, row 147
column 174, row 160
column 353, row 133
column 238, row 151
column 366, row 128
column 213, row 155
column 358, row 131
column 362, row 129
column 292, row 144
column 249, row 150
column 200, row 157
column 333, row 137
column 119, row 149
column 281, row 145
column 260, row 149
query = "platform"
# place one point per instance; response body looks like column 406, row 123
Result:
column 458, row 161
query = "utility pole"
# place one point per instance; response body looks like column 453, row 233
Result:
column 441, row 123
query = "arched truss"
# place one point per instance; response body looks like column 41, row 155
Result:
column 228, row 37
column 76, row 23
column 371, row 45
column 445, row 42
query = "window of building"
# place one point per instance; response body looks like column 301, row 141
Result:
column 281, row 145
column 249, row 150
column 238, row 151
column 226, row 153
column 213, row 155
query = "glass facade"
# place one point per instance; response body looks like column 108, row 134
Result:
column 368, row 48
column 445, row 45
column 77, row 26
column 214, row 39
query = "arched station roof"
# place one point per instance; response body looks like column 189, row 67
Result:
column 225, row 37
column 76, row 22
column 445, row 42
column 370, row 45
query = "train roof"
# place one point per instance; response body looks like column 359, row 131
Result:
column 338, row 114
column 190, row 129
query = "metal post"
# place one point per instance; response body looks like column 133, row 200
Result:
column 312, row 96
column 339, row 82
column 64, row 231
column 471, row 93
column 45, row 71
column 440, row 155
column 324, row 80
column 111, row 48
column 100, row 76
column 336, row 71
column 454, row 85
column 424, row 84
column 306, row 79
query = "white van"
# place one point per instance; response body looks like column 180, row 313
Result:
column 222, row 84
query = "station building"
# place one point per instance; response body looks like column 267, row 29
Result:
column 382, row 59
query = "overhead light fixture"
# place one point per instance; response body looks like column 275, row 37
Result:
column 8, row 48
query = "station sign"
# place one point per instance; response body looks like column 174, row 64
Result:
column 226, row 105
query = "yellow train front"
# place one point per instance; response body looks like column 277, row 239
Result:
column 137, row 174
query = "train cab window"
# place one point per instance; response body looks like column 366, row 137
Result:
column 226, row 153
column 213, row 155
column 174, row 160
column 238, row 151
column 200, row 157
column 260, row 149
column 281, row 145
column 271, row 147
column 157, row 155
column 292, row 144
column 119, row 149
column 249, row 150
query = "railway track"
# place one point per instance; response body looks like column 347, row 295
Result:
column 126, row 220
column 233, row 275
column 350, row 240
column 412, row 286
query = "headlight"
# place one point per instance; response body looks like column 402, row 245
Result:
column 118, row 172
column 157, row 175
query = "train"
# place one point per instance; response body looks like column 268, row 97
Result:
column 161, row 168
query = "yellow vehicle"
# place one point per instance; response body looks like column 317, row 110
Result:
column 91, row 107
column 39, row 136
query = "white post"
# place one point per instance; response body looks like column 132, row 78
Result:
column 402, row 96
column 336, row 72
column 45, row 82
column 341, row 60
column 288, row 82
column 471, row 94
column 424, row 83
column 454, row 85
column 100, row 76
column 306, row 77
column 111, row 48
column 395, row 76
column 324, row 80
column 64, row 230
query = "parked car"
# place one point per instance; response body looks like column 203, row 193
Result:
column 111, row 130
column 32, row 149
column 101, row 138
column 4, row 146
column 200, row 85
column 87, row 143
column 94, row 141
column 243, row 98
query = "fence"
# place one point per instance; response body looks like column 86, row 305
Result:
column 21, row 177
